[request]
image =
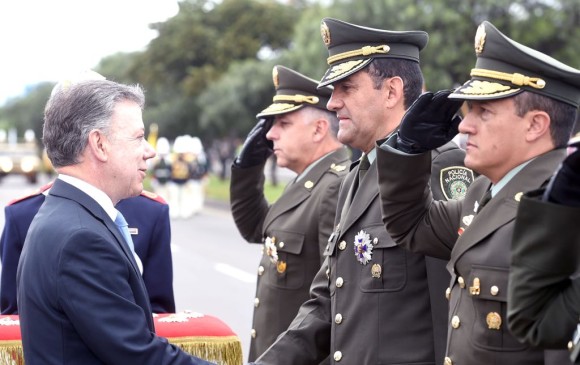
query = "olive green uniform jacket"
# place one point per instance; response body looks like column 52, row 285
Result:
column 298, row 224
column 381, row 312
column 477, row 246
column 544, row 293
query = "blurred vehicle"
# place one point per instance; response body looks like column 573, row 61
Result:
column 20, row 157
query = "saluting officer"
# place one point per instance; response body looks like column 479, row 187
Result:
column 371, row 302
column 148, row 218
column 544, row 295
column 301, row 132
column 521, row 108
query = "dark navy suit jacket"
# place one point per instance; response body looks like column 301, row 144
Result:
column 148, row 218
column 81, row 297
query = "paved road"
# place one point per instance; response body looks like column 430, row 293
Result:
column 214, row 268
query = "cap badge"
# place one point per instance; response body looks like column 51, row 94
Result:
column 271, row 250
column 275, row 78
column 325, row 33
column 479, row 39
column 363, row 248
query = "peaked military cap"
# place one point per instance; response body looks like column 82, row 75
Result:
column 294, row 91
column 351, row 47
column 506, row 68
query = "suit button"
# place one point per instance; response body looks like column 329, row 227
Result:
column 448, row 361
column 455, row 322
column 494, row 290
column 461, row 282
column 253, row 333
column 338, row 318
column 342, row 245
column 339, row 282
column 260, row 270
column 256, row 302
column 337, row 356
column 448, row 293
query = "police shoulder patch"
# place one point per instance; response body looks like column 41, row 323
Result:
column 455, row 180
column 153, row 196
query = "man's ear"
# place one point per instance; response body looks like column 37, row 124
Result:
column 538, row 125
column 320, row 129
column 394, row 88
column 99, row 145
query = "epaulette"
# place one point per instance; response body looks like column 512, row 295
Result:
column 153, row 196
column 37, row 192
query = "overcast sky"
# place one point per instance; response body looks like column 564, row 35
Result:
column 48, row 40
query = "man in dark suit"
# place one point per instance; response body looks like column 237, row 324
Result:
column 371, row 302
column 81, row 296
column 544, row 295
column 148, row 218
column 521, row 108
column 294, row 229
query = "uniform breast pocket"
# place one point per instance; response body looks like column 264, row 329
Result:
column 487, row 286
column 285, row 268
column 386, row 270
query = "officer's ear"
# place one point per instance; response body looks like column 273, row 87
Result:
column 321, row 127
column 393, row 88
column 538, row 125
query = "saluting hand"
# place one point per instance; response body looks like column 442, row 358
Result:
column 563, row 187
column 257, row 148
column 430, row 122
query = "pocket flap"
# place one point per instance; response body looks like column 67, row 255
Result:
column 492, row 282
column 290, row 242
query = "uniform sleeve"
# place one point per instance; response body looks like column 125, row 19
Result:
column 248, row 203
column 307, row 339
column 158, row 273
column 10, row 249
column 543, row 299
column 327, row 213
column 411, row 216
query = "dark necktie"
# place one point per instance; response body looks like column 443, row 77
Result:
column 484, row 200
column 363, row 167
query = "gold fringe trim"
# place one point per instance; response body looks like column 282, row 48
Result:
column 515, row 78
column 11, row 353
column 223, row 350
column 297, row 98
column 364, row 51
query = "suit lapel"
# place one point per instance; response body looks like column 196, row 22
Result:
column 502, row 208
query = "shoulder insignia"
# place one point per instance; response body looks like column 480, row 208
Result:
column 36, row 192
column 455, row 180
column 337, row 168
column 153, row 196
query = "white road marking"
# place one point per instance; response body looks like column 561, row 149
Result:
column 235, row 273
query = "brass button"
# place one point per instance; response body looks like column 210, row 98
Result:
column 455, row 322
column 375, row 240
column 256, row 302
column 448, row 293
column 281, row 244
column 448, row 361
column 309, row 184
column 337, row 356
column 342, row 245
column 260, row 270
column 570, row 345
column 461, row 282
column 338, row 318
column 253, row 333
column 494, row 290
column 339, row 282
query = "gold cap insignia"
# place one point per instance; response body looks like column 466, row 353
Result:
column 281, row 267
column 309, row 184
column 325, row 33
column 493, row 320
column 275, row 78
column 479, row 39
column 376, row 271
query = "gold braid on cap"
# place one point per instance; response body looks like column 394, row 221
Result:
column 365, row 51
column 516, row 78
column 297, row 98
